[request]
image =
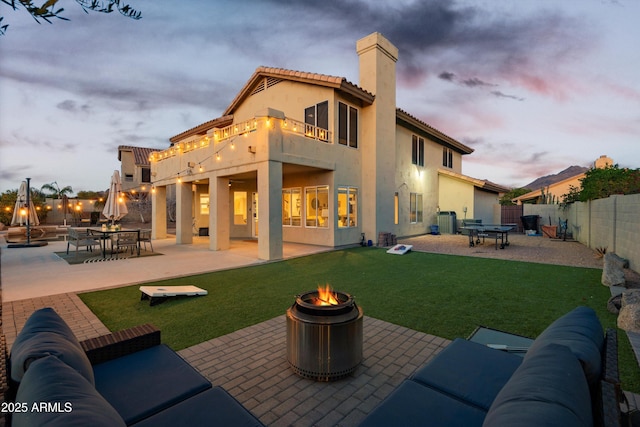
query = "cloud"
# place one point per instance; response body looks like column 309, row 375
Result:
column 73, row 107
column 18, row 138
column 504, row 95
column 448, row 76
column 475, row 82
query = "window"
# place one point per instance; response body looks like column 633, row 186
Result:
column 317, row 206
column 447, row 157
column 291, row 206
column 318, row 115
column 417, row 150
column 415, row 208
column 396, row 208
column 347, row 207
column 347, row 125
column 204, row 204
column 240, row 207
column 146, row 175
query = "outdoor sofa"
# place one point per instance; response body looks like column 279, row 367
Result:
column 568, row 377
column 127, row 378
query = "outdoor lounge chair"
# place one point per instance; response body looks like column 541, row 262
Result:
column 80, row 237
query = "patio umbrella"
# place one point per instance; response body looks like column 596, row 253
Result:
column 114, row 207
column 21, row 206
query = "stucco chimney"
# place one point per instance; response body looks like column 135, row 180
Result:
column 378, row 59
column 378, row 131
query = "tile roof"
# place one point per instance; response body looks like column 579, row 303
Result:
column 335, row 82
column 443, row 138
column 140, row 154
column 480, row 183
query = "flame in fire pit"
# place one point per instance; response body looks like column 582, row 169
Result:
column 326, row 296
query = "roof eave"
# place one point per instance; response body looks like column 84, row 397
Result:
column 443, row 138
column 338, row 83
column 202, row 129
column 479, row 183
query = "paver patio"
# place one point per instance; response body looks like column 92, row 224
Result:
column 251, row 364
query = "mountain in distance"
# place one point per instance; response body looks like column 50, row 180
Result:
column 544, row 181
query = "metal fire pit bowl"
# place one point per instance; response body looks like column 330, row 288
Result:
column 324, row 343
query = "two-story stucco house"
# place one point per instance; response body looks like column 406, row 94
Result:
column 311, row 158
column 135, row 170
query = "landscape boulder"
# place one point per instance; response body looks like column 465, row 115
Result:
column 613, row 270
column 614, row 303
column 629, row 316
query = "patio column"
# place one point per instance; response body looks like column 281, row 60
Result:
column 184, row 217
column 219, row 217
column 270, row 210
column 159, row 213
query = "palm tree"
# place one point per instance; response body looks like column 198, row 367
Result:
column 56, row 191
column 59, row 193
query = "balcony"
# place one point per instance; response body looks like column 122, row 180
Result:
column 242, row 129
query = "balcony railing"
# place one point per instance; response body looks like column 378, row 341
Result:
column 236, row 129
column 239, row 129
column 307, row 130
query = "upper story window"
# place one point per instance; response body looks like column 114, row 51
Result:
column 317, row 115
column 347, row 125
column 447, row 157
column 417, row 150
column 146, row 175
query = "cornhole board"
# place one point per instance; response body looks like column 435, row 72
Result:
column 158, row 294
column 400, row 249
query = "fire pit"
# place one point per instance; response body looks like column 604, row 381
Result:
column 324, row 335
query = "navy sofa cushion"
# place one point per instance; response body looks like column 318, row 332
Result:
column 469, row 371
column 548, row 389
column 213, row 407
column 75, row 402
column 145, row 382
column 414, row 404
column 582, row 332
column 45, row 333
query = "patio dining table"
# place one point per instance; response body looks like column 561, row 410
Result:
column 106, row 234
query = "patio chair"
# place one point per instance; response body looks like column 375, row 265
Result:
column 126, row 240
column 80, row 237
column 145, row 237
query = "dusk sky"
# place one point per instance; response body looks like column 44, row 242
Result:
column 533, row 86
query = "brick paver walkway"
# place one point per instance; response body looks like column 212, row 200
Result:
column 251, row 365
column 80, row 319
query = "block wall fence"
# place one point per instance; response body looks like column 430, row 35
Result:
column 612, row 223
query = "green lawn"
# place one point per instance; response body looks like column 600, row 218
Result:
column 442, row 295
